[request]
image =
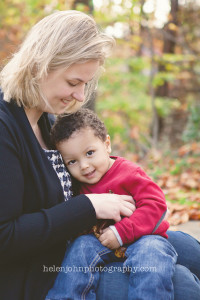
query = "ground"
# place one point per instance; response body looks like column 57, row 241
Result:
column 191, row 227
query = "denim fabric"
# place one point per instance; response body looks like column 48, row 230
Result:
column 188, row 250
column 155, row 258
column 150, row 262
column 186, row 284
column 115, row 285
column 182, row 279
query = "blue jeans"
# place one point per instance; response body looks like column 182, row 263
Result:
column 150, row 262
column 186, row 283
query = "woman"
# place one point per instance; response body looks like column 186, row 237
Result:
column 54, row 71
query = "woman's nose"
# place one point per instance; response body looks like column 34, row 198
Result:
column 79, row 94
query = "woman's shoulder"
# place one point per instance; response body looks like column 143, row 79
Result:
column 11, row 123
column 5, row 107
column 8, row 124
column 6, row 118
column 1, row 94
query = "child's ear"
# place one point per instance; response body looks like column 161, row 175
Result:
column 108, row 144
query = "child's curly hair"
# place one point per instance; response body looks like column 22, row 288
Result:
column 66, row 125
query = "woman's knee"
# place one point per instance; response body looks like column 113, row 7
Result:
column 186, row 284
column 181, row 240
column 188, row 249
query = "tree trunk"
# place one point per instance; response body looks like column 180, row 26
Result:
column 169, row 36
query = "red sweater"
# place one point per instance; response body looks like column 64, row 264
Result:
column 127, row 178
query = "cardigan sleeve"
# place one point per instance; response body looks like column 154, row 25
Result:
column 150, row 208
column 24, row 235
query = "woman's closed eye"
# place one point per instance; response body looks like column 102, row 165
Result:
column 72, row 84
column 75, row 84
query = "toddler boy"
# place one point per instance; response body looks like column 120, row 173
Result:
column 85, row 146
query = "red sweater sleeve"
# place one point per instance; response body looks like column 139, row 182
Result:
column 150, row 209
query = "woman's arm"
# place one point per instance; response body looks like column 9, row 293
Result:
column 23, row 234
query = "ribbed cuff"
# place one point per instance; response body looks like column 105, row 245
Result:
column 116, row 234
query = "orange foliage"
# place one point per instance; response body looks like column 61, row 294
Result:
column 181, row 183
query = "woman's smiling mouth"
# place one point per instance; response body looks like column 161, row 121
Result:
column 65, row 101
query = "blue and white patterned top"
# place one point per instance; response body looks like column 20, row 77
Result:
column 56, row 160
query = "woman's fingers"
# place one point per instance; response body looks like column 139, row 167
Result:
column 129, row 205
column 117, row 216
column 126, row 211
column 123, row 210
column 112, row 206
column 127, row 198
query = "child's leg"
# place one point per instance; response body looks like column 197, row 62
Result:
column 79, row 274
column 151, row 263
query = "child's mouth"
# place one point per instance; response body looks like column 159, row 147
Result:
column 90, row 174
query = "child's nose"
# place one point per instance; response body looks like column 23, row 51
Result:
column 84, row 165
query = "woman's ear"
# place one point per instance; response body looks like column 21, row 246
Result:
column 108, row 144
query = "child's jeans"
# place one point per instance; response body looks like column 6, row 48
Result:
column 150, row 262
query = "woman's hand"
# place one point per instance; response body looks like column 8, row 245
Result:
column 112, row 206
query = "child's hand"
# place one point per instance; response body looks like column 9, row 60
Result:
column 108, row 239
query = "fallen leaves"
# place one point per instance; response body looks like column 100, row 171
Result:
column 189, row 148
column 179, row 178
column 190, row 182
column 179, row 214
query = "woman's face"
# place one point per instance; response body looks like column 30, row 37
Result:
column 64, row 86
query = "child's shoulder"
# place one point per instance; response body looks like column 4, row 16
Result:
column 125, row 163
column 129, row 169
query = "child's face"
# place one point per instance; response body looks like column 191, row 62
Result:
column 86, row 155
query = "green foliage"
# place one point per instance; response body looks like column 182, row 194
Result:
column 182, row 200
column 122, row 100
column 123, row 94
column 165, row 106
column 192, row 131
column 155, row 174
column 173, row 65
column 179, row 167
column 161, row 77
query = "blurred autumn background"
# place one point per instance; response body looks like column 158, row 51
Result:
column 149, row 94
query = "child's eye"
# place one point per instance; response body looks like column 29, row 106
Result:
column 71, row 162
column 89, row 153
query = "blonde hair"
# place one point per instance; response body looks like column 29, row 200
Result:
column 59, row 40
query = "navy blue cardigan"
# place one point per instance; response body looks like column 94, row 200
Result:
column 35, row 222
